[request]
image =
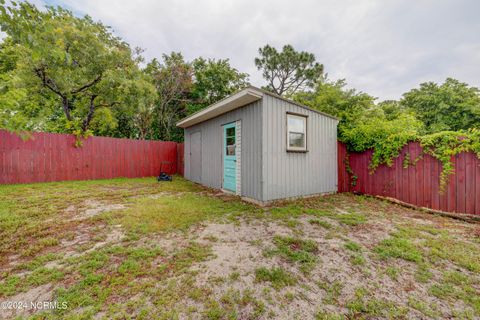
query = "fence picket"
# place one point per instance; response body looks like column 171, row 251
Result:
column 417, row 185
column 53, row 157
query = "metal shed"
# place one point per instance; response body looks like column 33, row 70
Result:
column 261, row 147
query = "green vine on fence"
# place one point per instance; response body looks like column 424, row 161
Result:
column 348, row 168
column 443, row 146
column 79, row 133
column 408, row 162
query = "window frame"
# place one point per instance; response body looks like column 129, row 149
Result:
column 226, row 137
column 305, row 119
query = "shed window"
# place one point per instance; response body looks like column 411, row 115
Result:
column 296, row 132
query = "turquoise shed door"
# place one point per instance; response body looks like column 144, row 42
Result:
column 229, row 157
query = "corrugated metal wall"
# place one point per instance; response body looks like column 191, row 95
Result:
column 212, row 135
column 287, row 174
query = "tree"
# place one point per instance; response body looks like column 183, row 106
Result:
column 144, row 120
column 75, row 60
column 333, row 98
column 136, row 115
column 173, row 83
column 213, row 81
column 288, row 71
column 452, row 105
column 20, row 108
column 372, row 131
column 391, row 108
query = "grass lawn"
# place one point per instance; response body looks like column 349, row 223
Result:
column 136, row 248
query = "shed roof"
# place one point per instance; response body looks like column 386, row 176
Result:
column 235, row 101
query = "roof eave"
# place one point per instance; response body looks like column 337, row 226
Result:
column 298, row 104
column 230, row 103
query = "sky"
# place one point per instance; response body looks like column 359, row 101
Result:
column 381, row 47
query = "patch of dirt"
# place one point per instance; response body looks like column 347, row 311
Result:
column 241, row 247
column 234, row 248
column 243, row 231
column 70, row 209
column 43, row 293
column 81, row 235
column 169, row 193
column 91, row 208
column 114, row 236
column 341, row 211
column 84, row 237
column 371, row 233
column 14, row 260
column 242, row 235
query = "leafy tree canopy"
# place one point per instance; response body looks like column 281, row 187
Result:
column 422, row 115
column 334, row 98
column 172, row 78
column 186, row 87
column 452, row 105
column 213, row 81
column 20, row 107
column 391, row 108
column 288, row 71
column 76, row 62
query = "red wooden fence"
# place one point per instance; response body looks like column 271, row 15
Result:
column 53, row 157
column 418, row 184
column 180, row 157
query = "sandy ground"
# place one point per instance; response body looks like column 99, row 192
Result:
column 240, row 248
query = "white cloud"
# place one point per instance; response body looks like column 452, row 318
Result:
column 381, row 47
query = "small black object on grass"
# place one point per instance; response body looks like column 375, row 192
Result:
column 163, row 175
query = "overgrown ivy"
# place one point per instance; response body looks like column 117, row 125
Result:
column 385, row 137
column 446, row 144
column 443, row 146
